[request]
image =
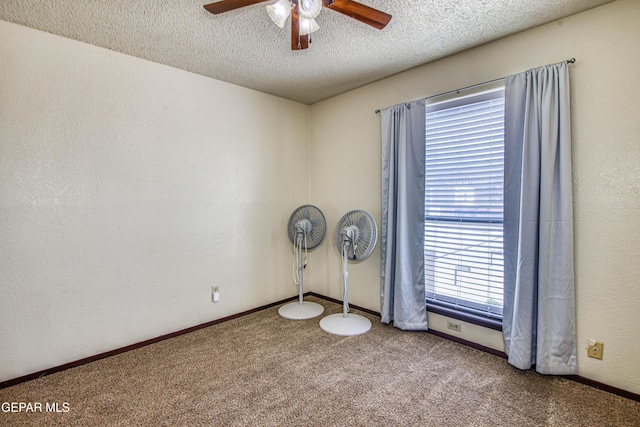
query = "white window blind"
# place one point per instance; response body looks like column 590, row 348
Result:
column 464, row 169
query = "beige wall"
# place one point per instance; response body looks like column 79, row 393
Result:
column 127, row 190
column 345, row 171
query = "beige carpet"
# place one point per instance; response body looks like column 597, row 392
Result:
column 263, row 370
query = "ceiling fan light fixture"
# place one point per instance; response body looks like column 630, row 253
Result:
column 303, row 13
column 309, row 8
column 308, row 26
column 279, row 12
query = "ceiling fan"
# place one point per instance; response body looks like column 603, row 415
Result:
column 303, row 13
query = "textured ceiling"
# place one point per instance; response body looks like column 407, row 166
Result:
column 244, row 47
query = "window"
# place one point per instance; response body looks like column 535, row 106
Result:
column 464, row 174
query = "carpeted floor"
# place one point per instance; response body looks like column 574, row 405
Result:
column 263, row 370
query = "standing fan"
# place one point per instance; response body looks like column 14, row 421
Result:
column 307, row 228
column 356, row 236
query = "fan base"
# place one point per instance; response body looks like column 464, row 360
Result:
column 297, row 311
column 338, row 324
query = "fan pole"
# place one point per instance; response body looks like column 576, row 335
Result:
column 345, row 278
column 299, row 243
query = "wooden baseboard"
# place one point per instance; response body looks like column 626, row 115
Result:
column 9, row 383
column 468, row 343
column 53, row 370
column 337, row 301
column 604, row 387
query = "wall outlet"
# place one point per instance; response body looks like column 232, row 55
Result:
column 595, row 349
column 454, row 326
column 215, row 293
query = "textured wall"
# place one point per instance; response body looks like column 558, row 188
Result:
column 128, row 189
column 345, row 170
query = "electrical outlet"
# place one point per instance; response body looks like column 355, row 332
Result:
column 454, row 326
column 215, row 293
column 595, row 349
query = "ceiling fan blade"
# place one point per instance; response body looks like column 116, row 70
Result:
column 227, row 5
column 298, row 42
column 368, row 15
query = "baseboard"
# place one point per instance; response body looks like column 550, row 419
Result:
column 468, row 343
column 39, row 374
column 604, row 387
column 337, row 301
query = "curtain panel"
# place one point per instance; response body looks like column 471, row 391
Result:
column 539, row 296
column 402, row 281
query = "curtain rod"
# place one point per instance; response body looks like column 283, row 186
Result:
column 568, row 61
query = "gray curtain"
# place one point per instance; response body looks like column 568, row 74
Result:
column 402, row 283
column 539, row 297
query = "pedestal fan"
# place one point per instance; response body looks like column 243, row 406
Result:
column 356, row 236
column 307, row 228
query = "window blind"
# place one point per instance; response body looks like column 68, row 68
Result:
column 464, row 174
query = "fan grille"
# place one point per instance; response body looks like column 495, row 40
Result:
column 362, row 227
column 310, row 221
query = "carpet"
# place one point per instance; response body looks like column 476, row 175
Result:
column 264, row 370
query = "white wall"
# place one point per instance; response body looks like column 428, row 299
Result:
column 128, row 189
column 345, row 171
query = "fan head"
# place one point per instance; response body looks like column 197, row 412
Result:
column 357, row 233
column 307, row 225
